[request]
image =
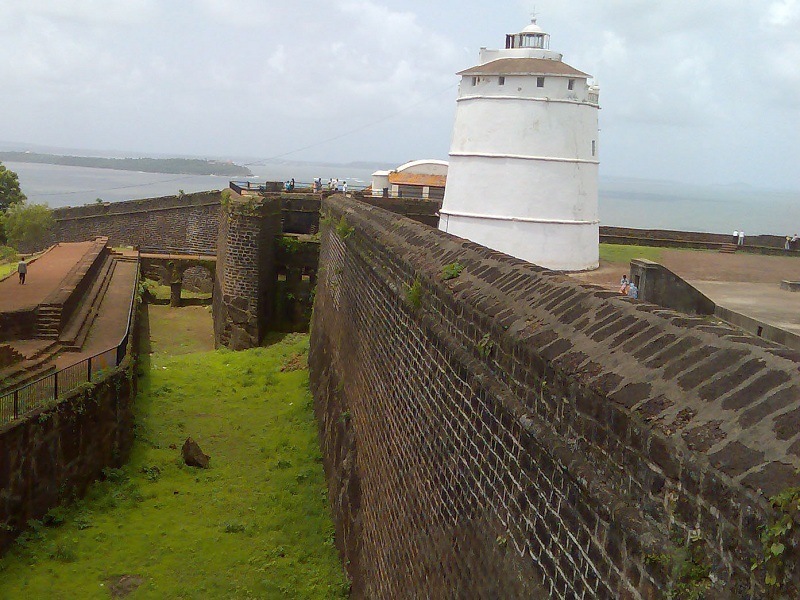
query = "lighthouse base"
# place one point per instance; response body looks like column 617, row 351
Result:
column 560, row 246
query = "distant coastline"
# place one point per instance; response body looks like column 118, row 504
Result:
column 178, row 166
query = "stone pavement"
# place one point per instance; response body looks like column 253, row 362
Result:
column 766, row 302
column 44, row 276
column 109, row 326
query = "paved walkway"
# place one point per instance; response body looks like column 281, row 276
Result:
column 745, row 283
column 109, row 325
column 765, row 302
column 44, row 276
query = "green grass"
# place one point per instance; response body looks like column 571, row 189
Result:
column 254, row 525
column 181, row 330
column 162, row 292
column 620, row 253
column 7, row 268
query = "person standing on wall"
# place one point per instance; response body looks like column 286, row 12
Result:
column 741, row 238
column 735, row 236
column 22, row 269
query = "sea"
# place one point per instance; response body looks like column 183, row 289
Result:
column 623, row 201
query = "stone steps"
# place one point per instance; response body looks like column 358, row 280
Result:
column 728, row 248
column 30, row 369
column 77, row 329
column 48, row 321
column 9, row 356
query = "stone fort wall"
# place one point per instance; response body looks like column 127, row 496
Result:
column 509, row 433
column 185, row 222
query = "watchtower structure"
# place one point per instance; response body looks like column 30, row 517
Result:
column 524, row 156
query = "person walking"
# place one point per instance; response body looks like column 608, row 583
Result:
column 735, row 236
column 344, row 188
column 741, row 238
column 623, row 285
column 22, row 269
column 633, row 291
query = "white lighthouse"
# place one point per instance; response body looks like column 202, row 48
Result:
column 524, row 157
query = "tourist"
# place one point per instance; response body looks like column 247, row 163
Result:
column 344, row 188
column 633, row 291
column 735, row 236
column 787, row 242
column 22, row 269
column 291, row 185
column 623, row 285
column 793, row 242
column 741, row 238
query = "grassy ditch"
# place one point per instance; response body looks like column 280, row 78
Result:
column 254, row 525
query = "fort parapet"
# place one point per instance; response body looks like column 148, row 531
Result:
column 185, row 222
column 506, row 428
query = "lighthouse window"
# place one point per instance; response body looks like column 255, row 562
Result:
column 501, row 80
column 540, row 82
column 571, row 84
column 474, row 81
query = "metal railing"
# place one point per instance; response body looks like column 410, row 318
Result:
column 49, row 388
column 177, row 250
column 299, row 186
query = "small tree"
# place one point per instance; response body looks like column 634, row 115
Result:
column 26, row 224
column 10, row 193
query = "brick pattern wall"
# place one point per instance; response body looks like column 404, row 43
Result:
column 243, row 294
column 187, row 222
column 519, row 435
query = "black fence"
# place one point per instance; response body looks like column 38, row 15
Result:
column 50, row 388
column 177, row 250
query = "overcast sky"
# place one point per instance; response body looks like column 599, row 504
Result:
column 701, row 92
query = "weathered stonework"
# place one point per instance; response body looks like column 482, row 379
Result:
column 245, row 279
column 52, row 454
column 508, row 428
column 185, row 222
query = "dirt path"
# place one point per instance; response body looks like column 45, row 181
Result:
column 44, row 277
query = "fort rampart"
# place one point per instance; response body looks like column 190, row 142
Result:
column 186, row 222
column 493, row 430
column 52, row 454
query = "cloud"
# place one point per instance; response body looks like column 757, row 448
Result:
column 95, row 12
column 256, row 77
column 784, row 13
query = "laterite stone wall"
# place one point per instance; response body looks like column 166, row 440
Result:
column 185, row 222
column 510, row 433
column 244, row 286
column 52, row 454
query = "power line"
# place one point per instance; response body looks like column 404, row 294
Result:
column 264, row 161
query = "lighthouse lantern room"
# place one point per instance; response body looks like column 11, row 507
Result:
column 524, row 156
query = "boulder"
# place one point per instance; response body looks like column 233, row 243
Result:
column 193, row 455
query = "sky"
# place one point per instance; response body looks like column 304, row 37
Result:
column 697, row 92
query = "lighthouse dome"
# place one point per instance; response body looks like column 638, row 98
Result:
column 532, row 28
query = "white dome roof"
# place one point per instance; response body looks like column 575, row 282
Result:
column 532, row 28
